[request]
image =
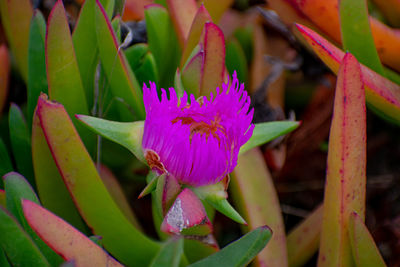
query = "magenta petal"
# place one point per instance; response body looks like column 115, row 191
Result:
column 198, row 141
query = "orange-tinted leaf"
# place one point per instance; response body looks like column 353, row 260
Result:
column 381, row 94
column 16, row 19
column 202, row 16
column 303, row 241
column 325, row 15
column 182, row 14
column 257, row 201
column 217, row 8
column 345, row 176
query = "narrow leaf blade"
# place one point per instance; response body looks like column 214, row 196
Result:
column 240, row 252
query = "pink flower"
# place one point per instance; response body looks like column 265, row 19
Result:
column 198, row 141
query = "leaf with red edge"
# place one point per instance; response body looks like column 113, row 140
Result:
column 123, row 83
column 365, row 251
column 65, row 239
column 4, row 75
column 217, row 8
column 95, row 204
column 193, row 38
column 51, row 188
column 382, row 95
column 345, row 175
column 63, row 75
column 182, row 14
column 16, row 19
column 187, row 216
column 167, row 190
column 214, row 59
column 192, row 74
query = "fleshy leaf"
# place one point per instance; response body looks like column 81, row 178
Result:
column 95, row 204
column 192, row 74
column 202, row 16
column 4, row 75
column 117, row 193
column 303, row 240
column 382, row 95
column 365, row 251
column 240, row 252
column 386, row 39
column 217, row 8
column 214, row 59
column 390, row 9
column 216, row 196
column 142, row 63
column 127, row 134
column 267, row 131
column 123, row 83
column 5, row 161
column 163, row 43
column 17, row 244
column 182, row 14
column 16, row 17
column 170, row 253
column 17, row 188
column 253, row 192
column 236, row 60
column 3, row 259
column 37, row 79
column 64, row 238
column 187, row 216
column 167, row 190
column 345, row 175
column 85, row 43
column 63, row 75
column 21, row 143
column 356, row 34
column 51, row 188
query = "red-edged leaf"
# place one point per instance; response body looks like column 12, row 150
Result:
column 65, row 239
column 182, row 14
column 345, row 177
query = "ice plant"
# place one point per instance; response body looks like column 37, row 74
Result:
column 197, row 141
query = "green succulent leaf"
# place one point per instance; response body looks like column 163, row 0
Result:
column 356, row 33
column 17, row 244
column 142, row 63
column 21, row 143
column 170, row 253
column 267, row 131
column 17, row 188
column 236, row 60
column 127, row 134
column 123, row 83
column 120, row 237
column 5, row 161
column 163, row 43
column 37, row 79
column 240, row 252
column 365, row 251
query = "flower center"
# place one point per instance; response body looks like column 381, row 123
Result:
column 201, row 127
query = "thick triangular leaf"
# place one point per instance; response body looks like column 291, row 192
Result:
column 267, row 131
column 127, row 134
column 17, row 244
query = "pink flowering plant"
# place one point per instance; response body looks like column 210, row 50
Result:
column 145, row 132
